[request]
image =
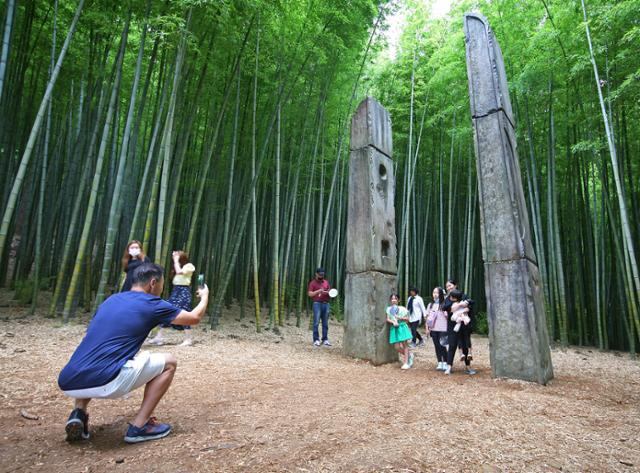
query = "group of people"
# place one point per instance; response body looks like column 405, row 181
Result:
column 108, row 363
column 181, row 274
column 448, row 320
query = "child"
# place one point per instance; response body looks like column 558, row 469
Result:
column 460, row 313
column 399, row 332
column 180, row 295
column 132, row 258
column 437, row 327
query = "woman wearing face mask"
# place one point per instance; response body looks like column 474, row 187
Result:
column 132, row 258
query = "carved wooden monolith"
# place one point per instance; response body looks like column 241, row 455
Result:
column 371, row 236
column 517, row 327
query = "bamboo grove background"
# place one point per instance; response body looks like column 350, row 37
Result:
column 222, row 128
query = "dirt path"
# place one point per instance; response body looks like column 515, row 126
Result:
column 247, row 402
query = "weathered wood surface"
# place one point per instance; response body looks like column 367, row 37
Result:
column 517, row 325
column 371, row 260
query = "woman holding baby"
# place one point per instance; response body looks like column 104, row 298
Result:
column 459, row 325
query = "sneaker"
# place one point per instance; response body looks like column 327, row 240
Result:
column 447, row 370
column 316, row 343
column 440, row 366
column 421, row 344
column 412, row 345
column 462, row 357
column 470, row 357
column 326, row 343
column 77, row 427
column 156, row 341
column 405, row 367
column 150, row 431
column 187, row 343
column 410, row 360
column 471, row 371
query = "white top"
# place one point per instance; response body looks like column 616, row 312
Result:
column 419, row 310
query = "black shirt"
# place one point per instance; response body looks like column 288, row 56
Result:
column 133, row 264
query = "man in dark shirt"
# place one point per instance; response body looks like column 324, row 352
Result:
column 107, row 364
column 318, row 291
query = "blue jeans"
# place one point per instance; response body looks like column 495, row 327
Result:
column 320, row 309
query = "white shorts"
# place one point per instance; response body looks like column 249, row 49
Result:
column 134, row 374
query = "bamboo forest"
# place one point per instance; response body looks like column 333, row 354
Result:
column 360, row 236
column 222, row 128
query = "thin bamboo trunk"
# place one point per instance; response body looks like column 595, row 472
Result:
column 325, row 226
column 84, row 238
column 307, row 211
column 230, row 187
column 254, row 219
column 450, row 200
column 554, row 234
column 167, row 145
column 43, row 173
column 116, row 201
column 35, row 130
column 626, row 230
column 142, row 193
column 275, row 296
column 6, row 42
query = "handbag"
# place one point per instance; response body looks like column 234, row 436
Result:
column 431, row 319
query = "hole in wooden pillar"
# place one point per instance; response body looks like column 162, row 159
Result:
column 381, row 184
column 385, row 248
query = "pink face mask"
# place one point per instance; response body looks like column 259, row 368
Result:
column 134, row 252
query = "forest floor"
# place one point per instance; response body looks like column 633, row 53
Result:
column 243, row 401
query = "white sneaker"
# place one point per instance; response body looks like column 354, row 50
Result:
column 410, row 360
column 439, row 368
column 316, row 343
column 447, row 370
column 405, row 367
column 187, row 343
column 156, row 341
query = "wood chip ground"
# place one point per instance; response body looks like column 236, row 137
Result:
column 271, row 402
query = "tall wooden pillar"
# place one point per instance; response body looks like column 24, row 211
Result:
column 517, row 325
column 371, row 236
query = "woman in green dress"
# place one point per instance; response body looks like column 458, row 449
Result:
column 399, row 331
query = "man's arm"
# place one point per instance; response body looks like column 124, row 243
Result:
column 194, row 316
column 311, row 293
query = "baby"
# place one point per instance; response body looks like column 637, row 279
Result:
column 459, row 311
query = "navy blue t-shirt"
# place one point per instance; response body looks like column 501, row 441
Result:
column 114, row 336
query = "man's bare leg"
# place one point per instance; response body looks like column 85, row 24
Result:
column 154, row 390
column 82, row 404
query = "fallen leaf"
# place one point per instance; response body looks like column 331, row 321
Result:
column 27, row 415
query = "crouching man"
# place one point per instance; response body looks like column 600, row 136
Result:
column 107, row 364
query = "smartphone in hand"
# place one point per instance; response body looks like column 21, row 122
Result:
column 200, row 281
